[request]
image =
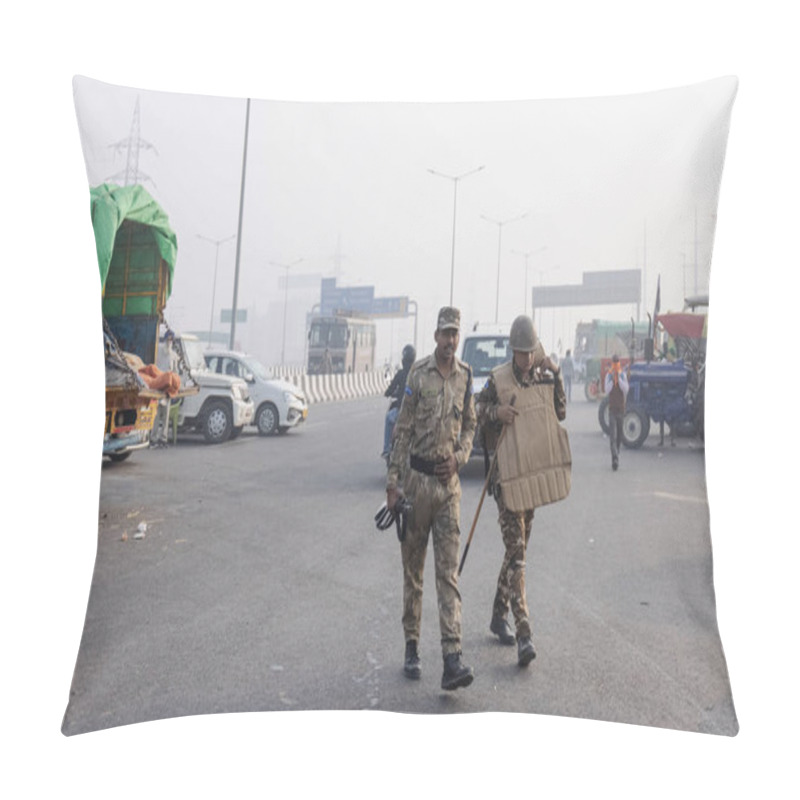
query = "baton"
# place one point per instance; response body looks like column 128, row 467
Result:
column 483, row 493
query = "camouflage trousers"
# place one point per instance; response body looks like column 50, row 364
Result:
column 436, row 509
column 515, row 527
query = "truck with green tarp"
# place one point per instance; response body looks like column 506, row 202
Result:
column 597, row 341
column 136, row 253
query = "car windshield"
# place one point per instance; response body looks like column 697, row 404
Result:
column 194, row 354
column 483, row 354
column 257, row 368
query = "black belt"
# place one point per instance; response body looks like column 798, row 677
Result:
column 423, row 465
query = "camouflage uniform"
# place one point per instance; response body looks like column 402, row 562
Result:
column 515, row 527
column 437, row 419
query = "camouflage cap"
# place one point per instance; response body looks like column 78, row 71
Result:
column 449, row 317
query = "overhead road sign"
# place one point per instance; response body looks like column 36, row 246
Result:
column 598, row 288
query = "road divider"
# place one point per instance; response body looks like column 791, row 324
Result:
column 335, row 387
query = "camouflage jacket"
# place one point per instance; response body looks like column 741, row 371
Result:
column 487, row 400
column 436, row 419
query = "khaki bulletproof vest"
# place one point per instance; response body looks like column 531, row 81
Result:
column 534, row 461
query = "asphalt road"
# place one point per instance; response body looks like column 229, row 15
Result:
column 261, row 584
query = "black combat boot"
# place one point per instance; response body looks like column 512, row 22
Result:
column 411, row 666
column 525, row 651
column 456, row 674
column 500, row 627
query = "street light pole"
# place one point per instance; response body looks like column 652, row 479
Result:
column 287, row 267
column 500, row 224
column 527, row 255
column 455, row 179
column 216, row 242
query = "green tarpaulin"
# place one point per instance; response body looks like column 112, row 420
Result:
column 111, row 205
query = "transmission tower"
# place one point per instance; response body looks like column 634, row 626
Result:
column 132, row 146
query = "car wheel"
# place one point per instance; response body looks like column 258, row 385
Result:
column 217, row 423
column 267, row 419
column 602, row 416
column 592, row 389
column 635, row 428
column 117, row 457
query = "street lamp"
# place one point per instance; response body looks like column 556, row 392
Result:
column 500, row 224
column 455, row 179
column 287, row 267
column 216, row 242
column 527, row 255
column 542, row 273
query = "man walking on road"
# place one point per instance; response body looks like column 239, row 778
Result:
column 616, row 387
column 433, row 440
column 499, row 404
column 568, row 373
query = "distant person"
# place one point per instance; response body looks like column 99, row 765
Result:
column 616, row 387
column 326, row 365
column 433, row 440
column 396, row 390
column 507, row 396
column 568, row 373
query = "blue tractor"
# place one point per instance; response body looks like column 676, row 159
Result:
column 669, row 391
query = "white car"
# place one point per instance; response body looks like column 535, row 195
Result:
column 279, row 405
column 484, row 348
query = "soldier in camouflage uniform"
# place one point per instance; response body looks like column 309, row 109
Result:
column 433, row 440
column 527, row 367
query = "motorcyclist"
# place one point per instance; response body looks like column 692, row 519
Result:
column 395, row 391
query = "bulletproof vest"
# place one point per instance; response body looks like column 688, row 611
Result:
column 534, row 461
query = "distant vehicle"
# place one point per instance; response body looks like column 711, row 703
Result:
column 279, row 405
column 348, row 339
column 136, row 253
column 484, row 348
column 222, row 406
column 669, row 390
column 597, row 341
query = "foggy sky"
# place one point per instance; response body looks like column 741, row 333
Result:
column 608, row 183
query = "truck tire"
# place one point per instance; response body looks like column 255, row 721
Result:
column 602, row 416
column 635, row 428
column 267, row 419
column 217, row 422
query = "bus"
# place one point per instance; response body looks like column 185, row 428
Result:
column 349, row 341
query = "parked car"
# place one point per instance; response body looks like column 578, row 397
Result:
column 221, row 407
column 279, row 405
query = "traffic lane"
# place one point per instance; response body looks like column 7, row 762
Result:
column 622, row 565
column 298, row 615
column 243, row 547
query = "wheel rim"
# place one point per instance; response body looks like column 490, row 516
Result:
column 633, row 427
column 217, row 422
column 267, row 420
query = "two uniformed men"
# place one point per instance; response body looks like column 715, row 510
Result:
column 433, row 440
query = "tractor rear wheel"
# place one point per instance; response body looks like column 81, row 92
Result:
column 603, row 416
column 635, row 428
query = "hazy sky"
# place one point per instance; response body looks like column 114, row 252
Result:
column 609, row 183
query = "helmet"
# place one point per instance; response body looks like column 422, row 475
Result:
column 409, row 355
column 523, row 337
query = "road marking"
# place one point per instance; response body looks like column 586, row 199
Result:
column 684, row 498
